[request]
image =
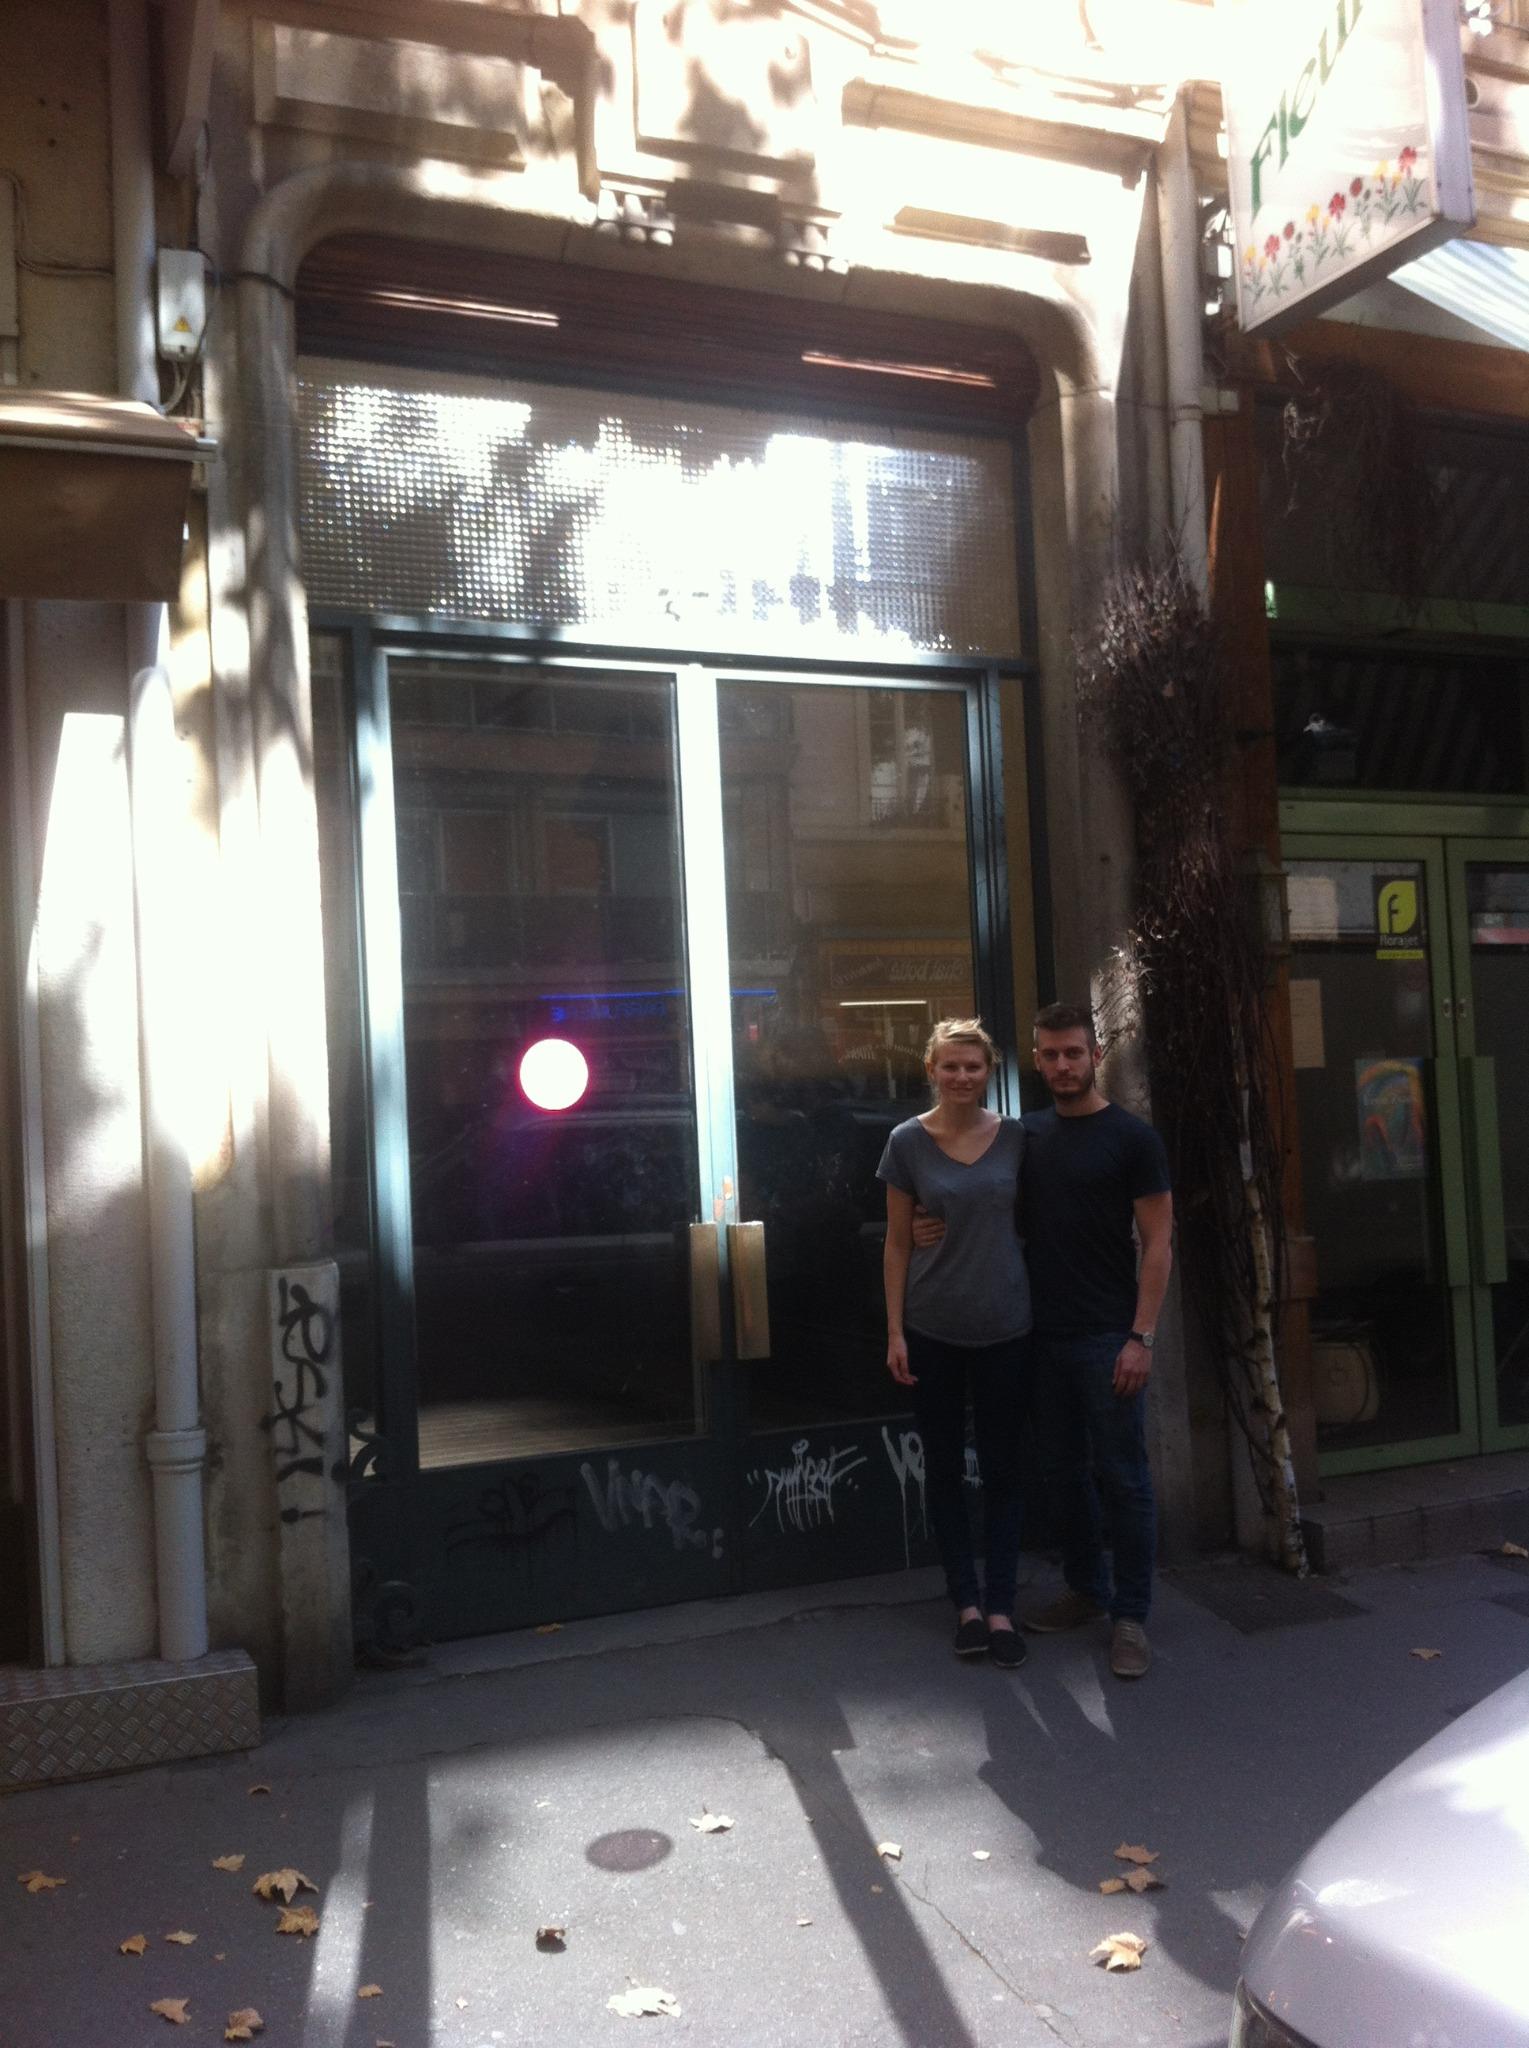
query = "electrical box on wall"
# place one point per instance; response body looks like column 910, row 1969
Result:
column 181, row 303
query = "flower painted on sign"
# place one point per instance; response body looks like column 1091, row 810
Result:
column 1291, row 257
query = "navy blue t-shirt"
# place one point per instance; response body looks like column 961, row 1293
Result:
column 1080, row 1178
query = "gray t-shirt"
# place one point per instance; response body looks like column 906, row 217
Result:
column 971, row 1287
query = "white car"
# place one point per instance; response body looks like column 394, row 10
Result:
column 1407, row 1925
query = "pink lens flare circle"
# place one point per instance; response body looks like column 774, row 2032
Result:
column 553, row 1074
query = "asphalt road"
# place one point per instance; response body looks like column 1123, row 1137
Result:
column 443, row 1814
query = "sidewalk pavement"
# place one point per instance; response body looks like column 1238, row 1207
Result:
column 445, row 1813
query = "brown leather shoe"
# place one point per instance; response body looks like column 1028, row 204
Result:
column 1130, row 1652
column 1070, row 1611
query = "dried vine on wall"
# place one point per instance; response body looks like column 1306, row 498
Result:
column 1197, row 959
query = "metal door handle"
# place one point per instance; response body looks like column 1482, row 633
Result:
column 751, row 1304
column 1484, row 1152
column 705, row 1293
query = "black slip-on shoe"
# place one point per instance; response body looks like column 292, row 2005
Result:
column 1006, row 1647
column 971, row 1637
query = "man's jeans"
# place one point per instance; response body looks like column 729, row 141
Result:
column 1091, row 1445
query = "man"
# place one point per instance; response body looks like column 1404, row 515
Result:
column 1094, row 1182
column 1092, row 1172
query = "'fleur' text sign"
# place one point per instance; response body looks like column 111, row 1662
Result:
column 1346, row 143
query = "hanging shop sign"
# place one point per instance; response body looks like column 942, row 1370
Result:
column 1347, row 146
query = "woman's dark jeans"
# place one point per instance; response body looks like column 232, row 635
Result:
column 1092, row 1447
column 995, row 1376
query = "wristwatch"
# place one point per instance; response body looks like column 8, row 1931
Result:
column 1145, row 1338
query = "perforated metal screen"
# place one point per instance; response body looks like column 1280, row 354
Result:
column 650, row 520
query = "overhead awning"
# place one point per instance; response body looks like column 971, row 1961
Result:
column 93, row 495
column 1479, row 282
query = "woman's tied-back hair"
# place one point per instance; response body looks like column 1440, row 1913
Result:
column 960, row 1031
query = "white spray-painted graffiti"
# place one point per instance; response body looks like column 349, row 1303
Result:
column 803, row 1491
column 642, row 1498
column 907, row 1461
column 907, row 1456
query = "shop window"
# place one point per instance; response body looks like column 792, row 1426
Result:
column 1393, row 719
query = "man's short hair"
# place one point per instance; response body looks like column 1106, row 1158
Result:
column 1066, row 1017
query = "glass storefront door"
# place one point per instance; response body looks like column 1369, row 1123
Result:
column 1407, row 956
column 613, row 1329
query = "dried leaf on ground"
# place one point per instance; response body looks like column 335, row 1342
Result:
column 1120, row 1951
column 878, row 1887
column 228, row 1862
column 135, row 1945
column 181, row 1938
column 712, row 1823
column 370, row 1991
column 36, row 1881
column 1133, row 1852
column 244, row 2024
column 1427, row 1656
column 551, row 1937
column 287, row 1882
column 256, row 1788
column 642, row 2000
column 1144, row 1881
column 173, row 2010
column 1513, row 1550
column 983, row 1855
column 893, row 1851
column 1112, row 1884
column 298, row 1920
column 548, row 1628
column 804, row 1919
column 461, row 2005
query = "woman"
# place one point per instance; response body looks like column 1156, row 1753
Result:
column 958, row 1320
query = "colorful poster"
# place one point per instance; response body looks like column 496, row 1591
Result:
column 1393, row 1119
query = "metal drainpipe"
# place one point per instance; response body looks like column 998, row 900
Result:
column 1179, row 228
column 176, row 1447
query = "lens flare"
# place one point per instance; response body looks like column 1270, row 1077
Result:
column 553, row 1074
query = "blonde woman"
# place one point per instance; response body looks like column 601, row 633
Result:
column 958, row 1321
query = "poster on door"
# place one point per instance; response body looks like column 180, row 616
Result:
column 1393, row 1119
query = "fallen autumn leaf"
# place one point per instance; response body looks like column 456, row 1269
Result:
column 712, row 1823
column 643, row 1999
column 370, row 1991
column 1120, row 1951
column 287, row 1882
column 135, row 1945
column 893, row 1851
column 35, row 1881
column 1513, row 1550
column 181, row 1938
column 1427, row 1656
column 1144, row 1881
column 173, row 2010
column 982, row 1855
column 244, row 2024
column 551, row 1938
column 1112, row 1884
column 256, row 1788
column 298, row 1920
column 228, row 1862
column 548, row 1628
column 804, row 1920
column 1133, row 1852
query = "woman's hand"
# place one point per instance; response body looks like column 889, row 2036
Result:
column 897, row 1361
